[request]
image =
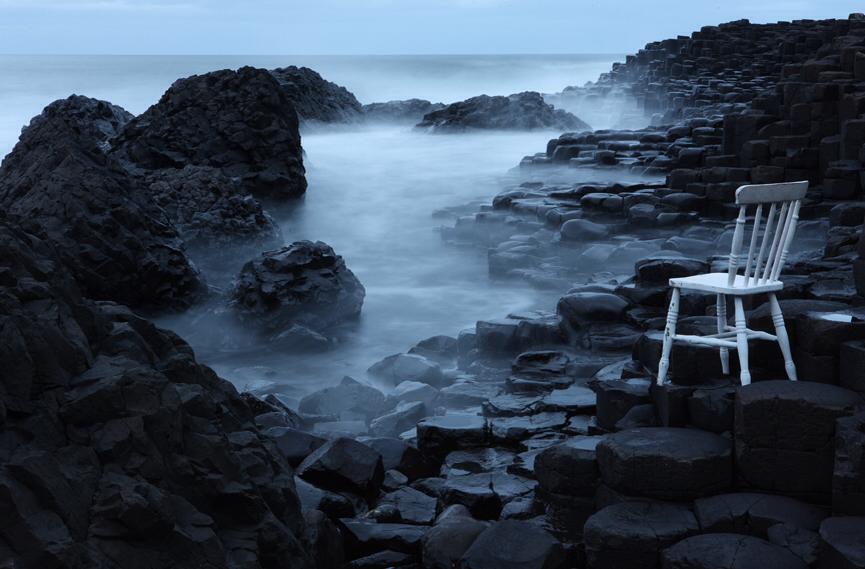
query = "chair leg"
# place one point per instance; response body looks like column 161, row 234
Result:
column 669, row 333
column 783, row 340
column 742, row 341
column 721, row 309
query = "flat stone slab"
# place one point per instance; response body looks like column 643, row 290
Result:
column 666, row 463
column 436, row 436
column 486, row 493
column 575, row 400
column 728, row 551
column 515, row 429
column 630, row 534
column 754, row 514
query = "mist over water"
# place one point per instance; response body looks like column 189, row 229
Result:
column 372, row 194
column 135, row 82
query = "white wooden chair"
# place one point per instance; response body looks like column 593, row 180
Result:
column 784, row 201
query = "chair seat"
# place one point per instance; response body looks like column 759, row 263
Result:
column 717, row 283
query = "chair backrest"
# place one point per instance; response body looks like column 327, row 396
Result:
column 784, row 201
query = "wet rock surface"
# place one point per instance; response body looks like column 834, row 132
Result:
column 520, row 111
column 303, row 285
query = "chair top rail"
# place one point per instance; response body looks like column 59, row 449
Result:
column 768, row 193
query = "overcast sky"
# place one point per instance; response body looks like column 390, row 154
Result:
column 374, row 26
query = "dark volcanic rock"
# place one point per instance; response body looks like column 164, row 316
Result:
column 785, row 435
column 316, row 99
column 754, row 514
column 304, row 284
column 407, row 111
column 211, row 211
column 848, row 480
column 350, row 400
column 842, row 542
column 126, row 451
column 520, row 111
column 59, row 183
column 512, row 544
column 437, row 436
column 398, row 368
column 344, row 464
column 728, row 551
column 630, row 535
column 241, row 122
column 454, row 531
column 665, row 463
column 364, row 537
column 570, row 468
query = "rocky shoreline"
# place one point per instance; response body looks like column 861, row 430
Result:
column 539, row 440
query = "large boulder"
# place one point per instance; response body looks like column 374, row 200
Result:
column 665, row 463
column 407, row 111
column 398, row 368
column 785, row 435
column 58, row 182
column 349, row 400
column 303, row 284
column 241, row 122
column 520, row 111
column 127, row 451
column 315, row 98
column 344, row 464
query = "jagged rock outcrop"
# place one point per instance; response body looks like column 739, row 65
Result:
column 59, row 183
column 240, row 122
column 118, row 448
column 316, row 99
column 520, row 111
column 405, row 111
column 304, row 285
column 210, row 210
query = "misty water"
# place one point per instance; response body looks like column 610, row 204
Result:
column 372, row 193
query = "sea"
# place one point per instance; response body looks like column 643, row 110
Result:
column 374, row 191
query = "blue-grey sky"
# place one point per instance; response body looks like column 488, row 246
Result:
column 374, row 26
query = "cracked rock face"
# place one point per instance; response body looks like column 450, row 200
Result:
column 59, row 183
column 116, row 439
